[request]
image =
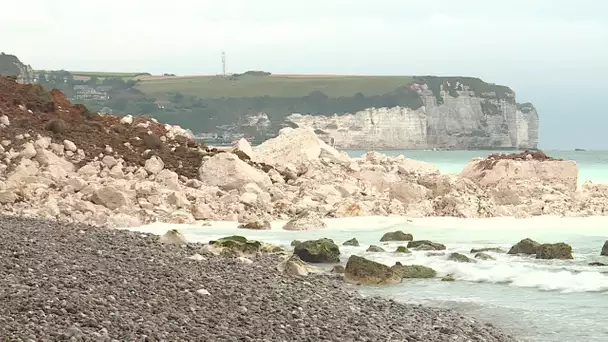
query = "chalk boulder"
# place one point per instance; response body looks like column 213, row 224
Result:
column 503, row 173
column 294, row 146
column 228, row 172
column 243, row 146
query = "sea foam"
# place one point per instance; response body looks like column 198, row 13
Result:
column 586, row 235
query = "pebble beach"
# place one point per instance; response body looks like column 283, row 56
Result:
column 82, row 283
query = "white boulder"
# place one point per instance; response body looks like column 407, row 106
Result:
column 417, row 167
column 154, row 165
column 248, row 198
column 227, row 171
column 202, row 211
column 296, row 146
column 505, row 173
column 308, row 220
column 43, row 142
column 173, row 237
column 109, row 161
column 29, row 151
column 243, row 146
column 46, row 158
column 109, row 197
column 69, row 146
column 407, row 192
column 126, row 120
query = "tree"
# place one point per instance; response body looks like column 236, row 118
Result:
column 92, row 82
column 316, row 96
column 42, row 77
column 176, row 97
column 131, row 83
column 117, row 103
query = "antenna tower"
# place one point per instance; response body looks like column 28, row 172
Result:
column 224, row 64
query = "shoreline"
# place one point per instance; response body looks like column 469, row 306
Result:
column 141, row 287
column 524, row 223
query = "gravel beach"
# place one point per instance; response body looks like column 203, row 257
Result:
column 79, row 283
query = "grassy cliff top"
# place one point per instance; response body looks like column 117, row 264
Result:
column 273, row 85
column 290, row 86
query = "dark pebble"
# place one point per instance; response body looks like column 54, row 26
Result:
column 113, row 285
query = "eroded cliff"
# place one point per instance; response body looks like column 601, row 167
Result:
column 455, row 113
column 10, row 65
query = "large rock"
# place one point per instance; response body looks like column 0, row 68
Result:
column 458, row 257
column 307, row 220
column 417, row 167
column 398, row 235
column 487, row 249
column 202, row 211
column 20, row 175
column 154, row 165
column 8, row 196
column 69, row 146
column 298, row 146
column 351, row 242
column 375, row 249
column 413, row 271
column 256, row 224
column 237, row 245
column 407, row 192
column 243, row 146
column 173, row 237
column 110, row 197
column 596, row 263
column 378, row 179
column 605, row 249
column 503, row 173
column 362, row 271
column 227, row 171
column 558, row 250
column 525, row 246
column 426, row 245
column 46, row 158
column 402, row 249
column 295, row 266
column 28, row 151
column 484, row 256
column 318, row 251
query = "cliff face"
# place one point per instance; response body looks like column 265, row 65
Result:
column 11, row 66
column 455, row 115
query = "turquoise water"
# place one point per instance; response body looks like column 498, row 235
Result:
column 592, row 165
column 536, row 300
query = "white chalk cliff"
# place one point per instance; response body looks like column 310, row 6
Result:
column 457, row 118
column 11, row 66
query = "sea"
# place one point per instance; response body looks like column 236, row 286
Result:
column 534, row 300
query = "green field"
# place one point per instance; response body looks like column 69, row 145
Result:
column 85, row 75
column 285, row 86
column 102, row 74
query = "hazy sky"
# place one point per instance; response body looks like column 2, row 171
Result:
column 553, row 53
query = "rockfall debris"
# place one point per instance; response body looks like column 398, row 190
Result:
column 59, row 161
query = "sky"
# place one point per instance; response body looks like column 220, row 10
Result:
column 553, row 53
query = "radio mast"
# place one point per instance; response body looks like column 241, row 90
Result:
column 224, row 64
